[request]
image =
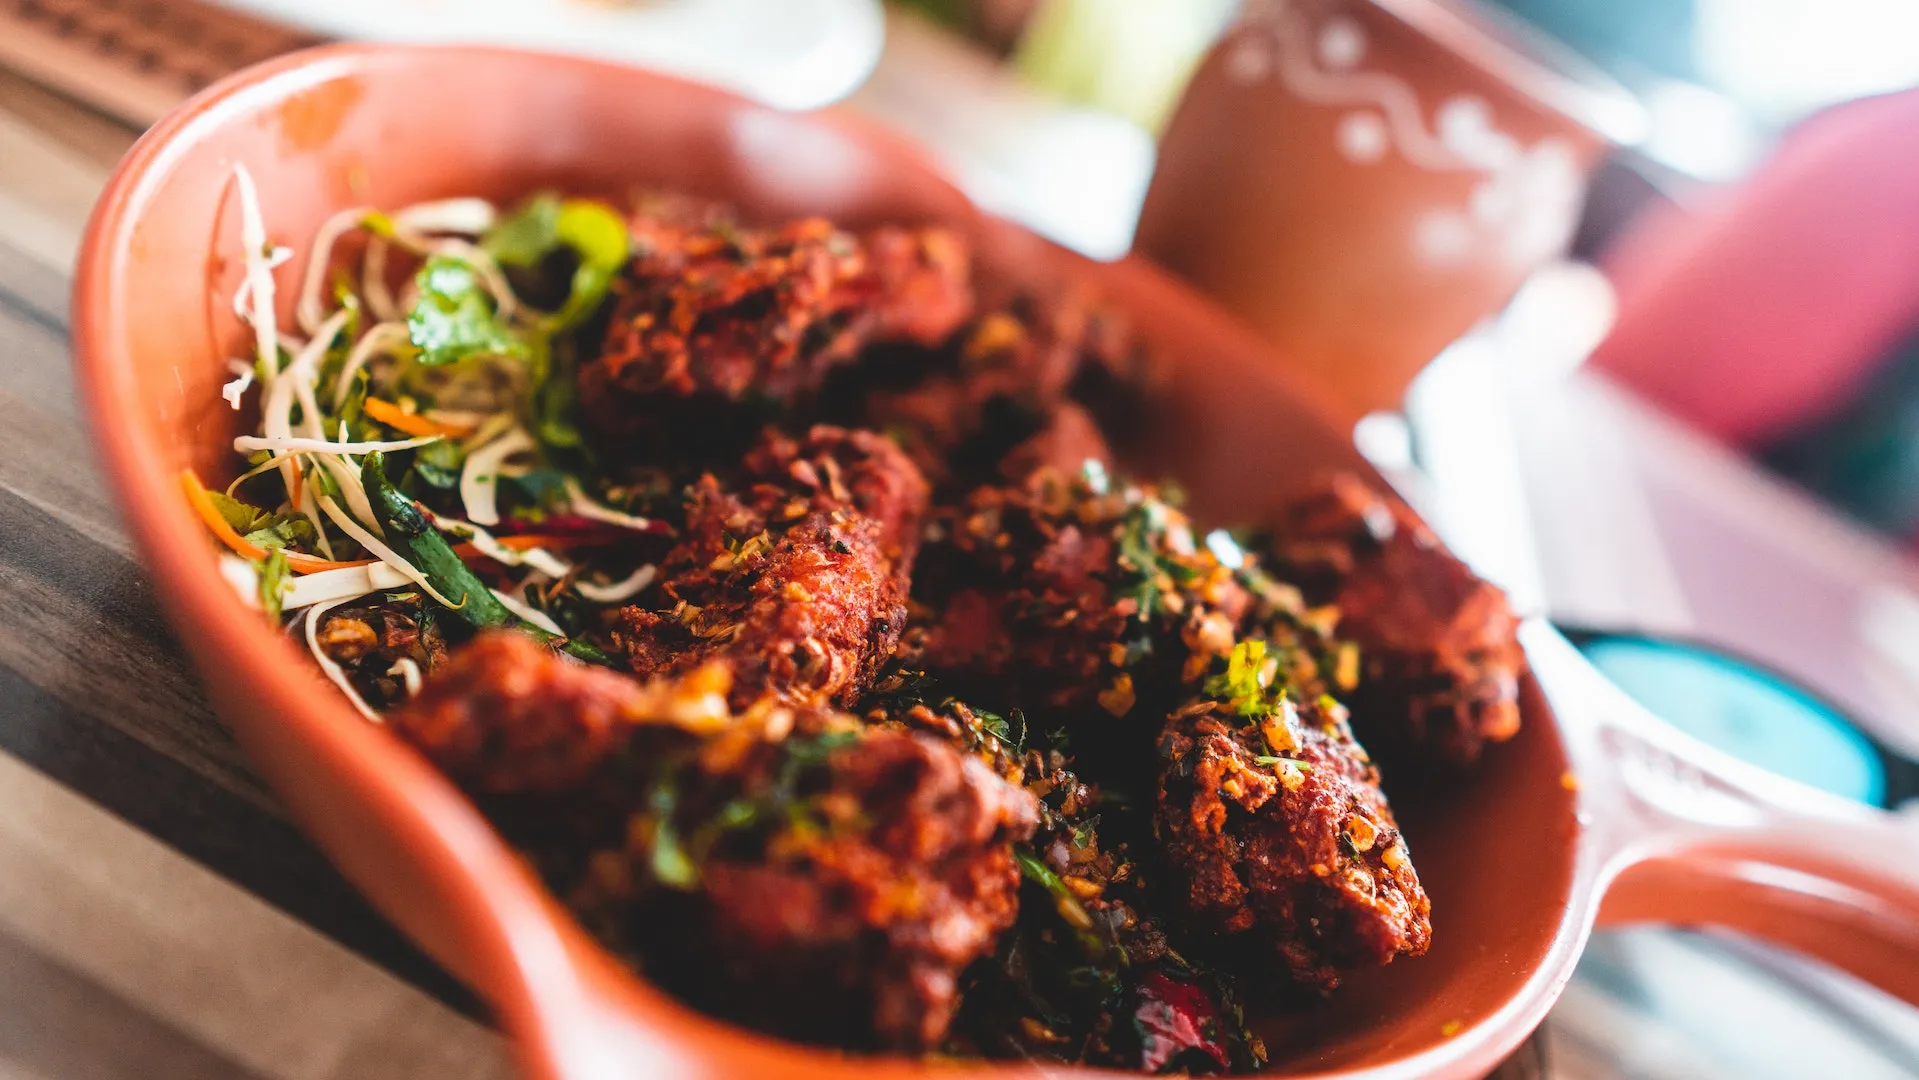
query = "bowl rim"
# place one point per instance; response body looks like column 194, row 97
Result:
column 512, row 930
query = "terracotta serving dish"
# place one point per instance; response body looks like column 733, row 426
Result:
column 1591, row 794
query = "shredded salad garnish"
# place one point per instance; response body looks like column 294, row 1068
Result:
column 409, row 349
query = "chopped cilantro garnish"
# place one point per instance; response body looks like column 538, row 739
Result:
column 243, row 517
column 1084, row 831
column 1243, row 685
column 1009, row 730
column 454, row 317
column 669, row 861
column 1273, row 759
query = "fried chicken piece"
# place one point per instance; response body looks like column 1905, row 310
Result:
column 830, row 886
column 798, row 579
column 1278, row 830
column 787, row 867
column 837, row 469
column 1069, row 440
column 1074, row 596
column 1086, row 975
column 374, row 641
column 1004, row 383
column 1441, row 662
column 710, row 316
column 507, row 715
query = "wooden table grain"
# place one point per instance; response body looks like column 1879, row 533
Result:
column 159, row 915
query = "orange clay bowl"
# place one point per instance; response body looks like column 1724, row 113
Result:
column 1593, row 799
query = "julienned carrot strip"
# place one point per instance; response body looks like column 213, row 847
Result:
column 210, row 514
column 522, row 541
column 313, row 564
column 412, row 423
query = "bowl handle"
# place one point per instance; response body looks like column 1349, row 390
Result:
column 1686, row 834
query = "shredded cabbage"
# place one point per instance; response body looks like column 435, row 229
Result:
column 327, row 664
column 247, row 444
column 409, row 673
column 467, row 215
column 619, row 590
column 380, row 551
column 345, row 583
column 484, row 542
column 528, row 613
column 380, row 339
column 242, row 379
column 240, row 574
column 480, row 476
column 319, row 257
column 581, row 504
column 259, row 271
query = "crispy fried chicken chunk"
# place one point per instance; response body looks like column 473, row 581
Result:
column 897, row 874
column 1078, row 595
column 708, row 316
column 783, row 866
column 1441, row 661
column 798, row 578
column 1024, row 385
column 505, row 715
column 1297, row 849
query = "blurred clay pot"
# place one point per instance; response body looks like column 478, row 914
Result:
column 1363, row 180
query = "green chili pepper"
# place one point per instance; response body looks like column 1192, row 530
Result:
column 413, row 537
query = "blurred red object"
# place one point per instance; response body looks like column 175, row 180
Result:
column 1772, row 303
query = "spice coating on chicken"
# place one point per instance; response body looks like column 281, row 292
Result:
column 708, row 316
column 804, row 873
column 1441, row 661
column 506, row 715
column 836, row 885
column 1077, row 595
column 1294, row 847
column 798, row 579
column 1049, row 369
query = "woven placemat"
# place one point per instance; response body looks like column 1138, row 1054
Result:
column 133, row 59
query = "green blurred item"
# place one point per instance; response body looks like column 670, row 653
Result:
column 1130, row 57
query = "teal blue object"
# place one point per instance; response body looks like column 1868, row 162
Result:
column 1746, row 711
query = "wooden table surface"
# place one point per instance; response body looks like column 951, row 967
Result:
column 159, row 916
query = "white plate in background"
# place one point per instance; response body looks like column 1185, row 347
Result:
column 795, row 54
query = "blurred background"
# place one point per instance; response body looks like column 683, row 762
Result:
column 1624, row 294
